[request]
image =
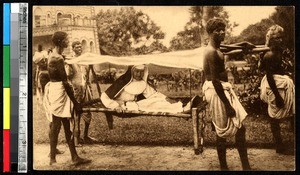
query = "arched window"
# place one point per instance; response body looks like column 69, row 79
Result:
column 92, row 49
column 65, row 19
column 85, row 21
column 76, row 20
column 84, row 46
column 58, row 16
column 49, row 21
column 38, row 13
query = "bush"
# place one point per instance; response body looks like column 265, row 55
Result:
column 250, row 79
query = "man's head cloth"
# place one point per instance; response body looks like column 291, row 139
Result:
column 273, row 31
column 213, row 24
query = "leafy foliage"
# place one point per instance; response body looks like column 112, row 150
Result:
column 194, row 34
column 127, row 32
column 285, row 17
column 255, row 33
column 249, row 93
column 249, row 81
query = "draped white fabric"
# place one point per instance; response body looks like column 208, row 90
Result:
column 286, row 89
column 180, row 59
column 225, row 126
column 56, row 101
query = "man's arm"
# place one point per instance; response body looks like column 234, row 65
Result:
column 269, row 73
column 85, row 76
column 69, row 71
column 212, row 57
column 67, row 86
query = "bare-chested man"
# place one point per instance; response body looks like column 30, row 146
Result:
column 79, row 78
column 226, row 111
column 277, row 89
column 59, row 98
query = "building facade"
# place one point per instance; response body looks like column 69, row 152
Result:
column 77, row 21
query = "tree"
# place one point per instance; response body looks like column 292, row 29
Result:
column 285, row 17
column 194, row 34
column 128, row 32
column 256, row 33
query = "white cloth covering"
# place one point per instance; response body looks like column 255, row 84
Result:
column 39, row 55
column 154, row 102
column 56, row 101
column 225, row 126
column 286, row 90
column 179, row 59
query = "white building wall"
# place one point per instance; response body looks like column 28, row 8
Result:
column 87, row 36
column 75, row 20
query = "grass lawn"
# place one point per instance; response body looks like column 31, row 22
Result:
column 158, row 130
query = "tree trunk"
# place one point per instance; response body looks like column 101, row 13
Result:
column 203, row 33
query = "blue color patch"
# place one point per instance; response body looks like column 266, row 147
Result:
column 6, row 23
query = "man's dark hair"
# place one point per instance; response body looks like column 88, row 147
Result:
column 213, row 24
column 75, row 43
column 40, row 47
column 58, row 37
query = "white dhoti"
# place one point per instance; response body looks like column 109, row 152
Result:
column 56, row 101
column 286, row 90
column 225, row 126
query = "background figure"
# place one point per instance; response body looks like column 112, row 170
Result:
column 40, row 58
column 59, row 98
column 79, row 78
column 225, row 109
column 277, row 89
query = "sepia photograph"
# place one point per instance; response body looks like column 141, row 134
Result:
column 177, row 88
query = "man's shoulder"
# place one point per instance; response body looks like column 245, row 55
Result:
column 55, row 57
column 209, row 51
column 269, row 55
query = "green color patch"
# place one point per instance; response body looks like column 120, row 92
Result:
column 6, row 66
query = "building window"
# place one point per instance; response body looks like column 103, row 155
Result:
column 77, row 19
column 39, row 18
column 49, row 22
column 84, row 46
column 37, row 21
column 58, row 16
column 92, row 50
column 85, row 21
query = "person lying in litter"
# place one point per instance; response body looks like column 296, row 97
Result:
column 132, row 92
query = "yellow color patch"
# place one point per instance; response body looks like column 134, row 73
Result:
column 6, row 108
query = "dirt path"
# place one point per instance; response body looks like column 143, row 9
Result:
column 108, row 157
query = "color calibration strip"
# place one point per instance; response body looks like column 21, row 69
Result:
column 15, row 87
column 14, row 84
column 23, row 89
column 6, row 87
